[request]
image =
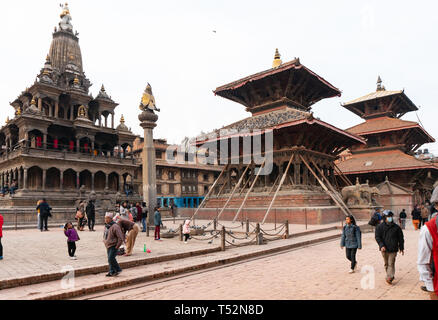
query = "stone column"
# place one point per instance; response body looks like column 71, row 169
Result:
column 106, row 181
column 44, row 179
column 72, row 110
column 19, row 179
column 45, row 141
column 25, row 179
column 78, row 145
column 40, row 104
column 148, row 121
column 92, row 181
column 121, row 184
column 100, row 119
column 56, row 109
column 78, row 181
column 112, row 120
column 61, row 181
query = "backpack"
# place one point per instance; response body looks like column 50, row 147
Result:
column 374, row 221
column 134, row 213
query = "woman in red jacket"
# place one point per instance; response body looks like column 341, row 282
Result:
column 1, row 235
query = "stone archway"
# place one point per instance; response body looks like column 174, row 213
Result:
column 35, row 178
column 53, row 179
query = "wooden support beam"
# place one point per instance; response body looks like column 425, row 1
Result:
column 342, row 175
column 325, row 187
column 249, row 191
column 209, row 192
column 279, row 187
column 234, row 190
column 332, row 189
column 273, row 186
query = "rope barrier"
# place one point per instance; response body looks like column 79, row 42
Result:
column 240, row 226
column 280, row 230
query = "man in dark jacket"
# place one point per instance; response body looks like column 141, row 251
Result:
column 416, row 217
column 44, row 214
column 389, row 237
column 91, row 215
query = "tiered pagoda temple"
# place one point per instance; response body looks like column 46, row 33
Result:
column 387, row 160
column 301, row 186
column 61, row 143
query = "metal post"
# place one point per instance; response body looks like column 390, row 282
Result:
column 247, row 225
column 181, row 232
column 275, row 219
column 223, row 239
column 286, row 236
column 215, row 224
column 305, row 217
column 16, row 221
column 257, row 231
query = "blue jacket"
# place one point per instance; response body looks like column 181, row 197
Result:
column 351, row 237
column 157, row 218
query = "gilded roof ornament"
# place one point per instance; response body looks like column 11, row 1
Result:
column 76, row 81
column 82, row 112
column 277, row 59
column 379, row 85
column 148, row 100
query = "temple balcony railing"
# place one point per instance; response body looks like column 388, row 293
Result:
column 64, row 154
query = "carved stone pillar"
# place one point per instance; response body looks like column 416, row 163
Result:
column 56, row 115
column 92, row 181
column 19, row 179
column 78, row 145
column 112, row 120
column 45, row 141
column 78, row 180
column 72, row 110
column 25, row 179
column 106, row 181
column 61, row 181
column 44, row 179
column 40, row 104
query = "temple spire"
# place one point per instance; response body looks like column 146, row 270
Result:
column 379, row 84
column 277, row 59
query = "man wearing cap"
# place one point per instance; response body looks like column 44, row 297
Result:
column 389, row 237
column 112, row 238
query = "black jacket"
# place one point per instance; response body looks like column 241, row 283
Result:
column 403, row 215
column 390, row 236
column 416, row 214
column 44, row 209
column 90, row 209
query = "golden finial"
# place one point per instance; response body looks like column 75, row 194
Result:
column 102, row 89
column 19, row 112
column 76, row 80
column 122, row 119
column 277, row 61
column 46, row 72
column 7, row 120
column 47, row 58
column 379, row 85
column 33, row 102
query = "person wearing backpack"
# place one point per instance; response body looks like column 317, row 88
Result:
column 428, row 258
column 376, row 218
column 351, row 239
column 134, row 212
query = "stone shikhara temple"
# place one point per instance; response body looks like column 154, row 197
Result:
column 301, row 185
column 387, row 161
column 61, row 144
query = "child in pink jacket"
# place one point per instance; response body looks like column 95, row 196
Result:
column 186, row 230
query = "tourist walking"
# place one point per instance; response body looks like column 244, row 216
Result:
column 428, row 258
column 389, row 237
column 186, row 231
column 1, row 236
column 44, row 210
column 113, row 238
column 123, row 213
column 91, row 215
column 402, row 219
column 157, row 222
column 139, row 213
column 134, row 212
column 376, row 218
column 351, row 239
column 416, row 217
column 38, row 214
column 132, row 229
column 80, row 215
column 144, row 216
column 424, row 215
column 72, row 237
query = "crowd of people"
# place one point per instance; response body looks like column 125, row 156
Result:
column 390, row 240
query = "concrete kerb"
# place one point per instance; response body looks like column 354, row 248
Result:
column 13, row 283
column 164, row 274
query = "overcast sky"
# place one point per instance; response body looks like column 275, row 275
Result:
column 173, row 46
